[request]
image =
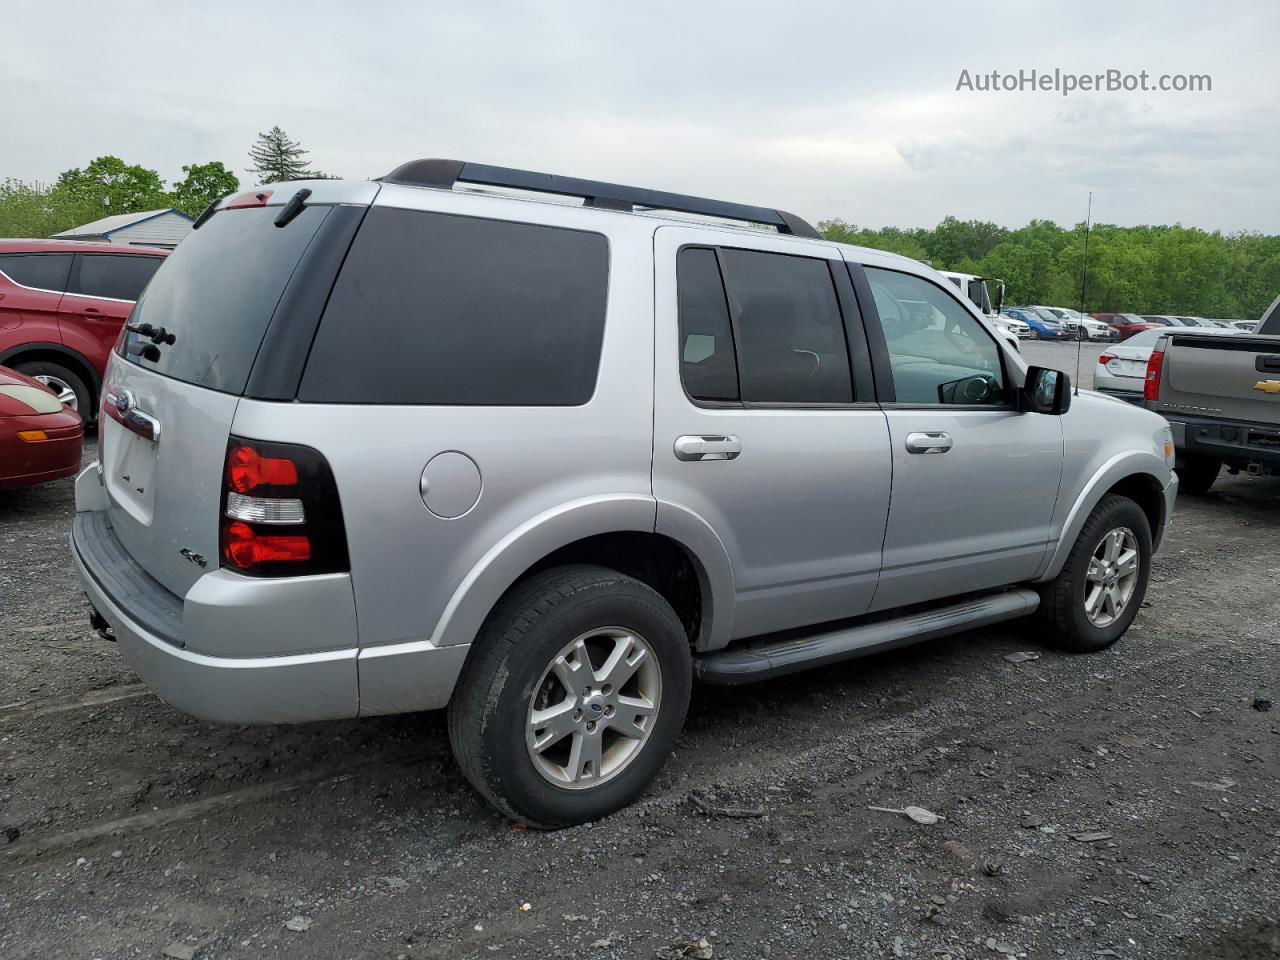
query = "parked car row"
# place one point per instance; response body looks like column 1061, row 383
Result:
column 1061, row 323
column 62, row 304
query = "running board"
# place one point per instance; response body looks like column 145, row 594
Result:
column 761, row 661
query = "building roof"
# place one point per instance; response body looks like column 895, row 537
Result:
column 109, row 225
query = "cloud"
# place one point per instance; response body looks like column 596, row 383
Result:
column 828, row 111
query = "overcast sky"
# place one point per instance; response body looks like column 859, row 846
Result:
column 834, row 109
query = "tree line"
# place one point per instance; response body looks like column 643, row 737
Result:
column 108, row 186
column 1145, row 269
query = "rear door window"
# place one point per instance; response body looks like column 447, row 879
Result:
column 216, row 294
column 42, row 271
column 791, row 342
column 433, row 308
column 708, row 367
column 117, row 277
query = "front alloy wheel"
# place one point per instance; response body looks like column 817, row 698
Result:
column 1111, row 577
column 1089, row 605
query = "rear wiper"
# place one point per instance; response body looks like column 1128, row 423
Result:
column 157, row 334
column 292, row 208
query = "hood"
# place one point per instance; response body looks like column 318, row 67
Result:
column 21, row 396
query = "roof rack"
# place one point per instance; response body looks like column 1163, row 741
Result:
column 609, row 196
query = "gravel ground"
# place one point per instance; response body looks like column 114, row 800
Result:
column 1123, row 804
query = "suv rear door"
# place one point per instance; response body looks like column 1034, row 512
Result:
column 235, row 297
column 974, row 480
column 765, row 425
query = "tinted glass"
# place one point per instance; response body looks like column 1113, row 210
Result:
column 118, row 277
column 707, row 364
column 437, row 309
column 791, row 346
column 44, row 271
column 938, row 350
column 217, row 291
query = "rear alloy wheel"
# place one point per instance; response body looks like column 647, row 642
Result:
column 1092, row 602
column 573, row 696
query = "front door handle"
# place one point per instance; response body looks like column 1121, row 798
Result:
column 928, row 442
column 707, row 448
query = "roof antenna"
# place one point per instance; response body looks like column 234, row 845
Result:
column 1081, row 329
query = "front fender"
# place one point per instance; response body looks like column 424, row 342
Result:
column 1119, row 467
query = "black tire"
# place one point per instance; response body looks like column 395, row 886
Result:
column 1062, row 600
column 524, row 634
column 84, row 396
column 1197, row 474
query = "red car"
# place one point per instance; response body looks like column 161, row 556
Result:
column 39, row 436
column 1126, row 323
column 62, row 303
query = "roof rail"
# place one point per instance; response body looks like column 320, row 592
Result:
column 609, row 196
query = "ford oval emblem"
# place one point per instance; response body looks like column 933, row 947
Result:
column 125, row 401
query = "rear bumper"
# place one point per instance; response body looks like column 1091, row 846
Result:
column 1128, row 396
column 180, row 648
column 1236, row 443
column 149, row 629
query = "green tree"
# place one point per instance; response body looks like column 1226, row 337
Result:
column 203, row 184
column 34, row 210
column 112, row 186
column 275, row 158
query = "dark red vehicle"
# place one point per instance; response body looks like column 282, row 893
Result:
column 62, row 303
column 1127, row 323
column 39, row 436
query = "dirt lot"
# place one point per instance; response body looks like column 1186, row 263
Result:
column 1125, row 804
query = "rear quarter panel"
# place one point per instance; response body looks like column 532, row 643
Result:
column 549, row 475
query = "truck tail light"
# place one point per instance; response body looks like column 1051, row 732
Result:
column 281, row 516
column 1155, row 369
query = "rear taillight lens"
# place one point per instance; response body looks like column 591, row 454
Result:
column 1155, row 368
column 281, row 516
column 1106, row 358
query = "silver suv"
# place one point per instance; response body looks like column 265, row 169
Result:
column 544, row 459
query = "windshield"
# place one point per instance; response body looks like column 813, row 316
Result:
column 1044, row 313
column 216, row 294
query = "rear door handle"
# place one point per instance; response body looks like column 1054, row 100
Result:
column 707, row 447
column 928, row 442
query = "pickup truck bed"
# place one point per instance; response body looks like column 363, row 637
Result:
column 1221, row 396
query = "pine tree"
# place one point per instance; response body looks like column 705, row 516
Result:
column 275, row 157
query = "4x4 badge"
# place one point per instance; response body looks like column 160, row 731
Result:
column 1268, row 386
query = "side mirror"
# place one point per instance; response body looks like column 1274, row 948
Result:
column 999, row 296
column 1045, row 391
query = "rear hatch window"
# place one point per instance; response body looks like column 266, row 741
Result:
column 216, row 294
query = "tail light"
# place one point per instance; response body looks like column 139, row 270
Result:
column 1155, row 369
column 1106, row 358
column 281, row 516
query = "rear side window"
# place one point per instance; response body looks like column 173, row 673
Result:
column 44, row 271
column 791, row 343
column 118, row 277
column 431, row 308
column 216, row 294
column 707, row 364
